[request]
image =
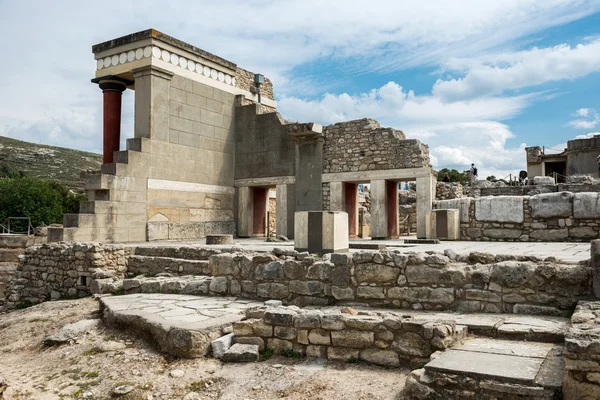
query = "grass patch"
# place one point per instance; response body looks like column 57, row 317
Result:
column 92, row 374
column 198, row 386
column 90, row 352
column 266, row 353
column 118, row 292
column 41, row 319
column 352, row 360
column 289, row 353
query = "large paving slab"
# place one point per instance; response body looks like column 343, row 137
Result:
column 180, row 325
column 528, row 363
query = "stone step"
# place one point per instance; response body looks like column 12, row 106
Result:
column 534, row 328
column 182, row 252
column 72, row 234
column 139, row 144
column 182, row 326
column 189, row 285
column 491, row 368
column 149, row 265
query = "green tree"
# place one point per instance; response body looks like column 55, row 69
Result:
column 70, row 199
column 30, row 197
column 455, row 176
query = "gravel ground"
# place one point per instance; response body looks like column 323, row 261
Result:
column 104, row 358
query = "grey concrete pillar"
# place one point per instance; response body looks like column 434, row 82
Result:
column 336, row 196
column 152, row 97
column 425, row 190
column 245, row 220
column 595, row 261
column 284, row 219
column 379, row 224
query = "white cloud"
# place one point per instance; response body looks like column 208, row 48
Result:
column 493, row 75
column 589, row 121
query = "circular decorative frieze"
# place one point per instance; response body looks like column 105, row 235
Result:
column 166, row 56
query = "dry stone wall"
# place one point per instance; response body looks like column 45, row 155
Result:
column 363, row 145
column 388, row 339
column 548, row 217
column 477, row 282
column 60, row 270
column 582, row 353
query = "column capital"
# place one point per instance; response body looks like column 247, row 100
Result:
column 152, row 70
column 111, row 83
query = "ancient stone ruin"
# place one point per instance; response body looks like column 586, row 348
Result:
column 210, row 156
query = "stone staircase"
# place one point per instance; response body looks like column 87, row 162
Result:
column 116, row 206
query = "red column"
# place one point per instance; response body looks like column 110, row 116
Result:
column 351, row 207
column 112, row 92
column 391, row 189
column 260, row 198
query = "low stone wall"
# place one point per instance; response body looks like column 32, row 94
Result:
column 448, row 190
column 60, row 270
column 582, row 353
column 8, row 278
column 550, row 217
column 477, row 282
column 389, row 340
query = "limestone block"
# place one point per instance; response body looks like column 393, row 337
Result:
column 254, row 340
column 499, row 209
column 369, row 292
column 412, row 344
column 285, row 332
column 586, row 205
column 583, row 232
column 321, row 231
column 355, row 339
column 306, row 287
column 272, row 290
column 342, row 354
column 375, row 273
column 543, row 180
column 270, row 271
column 308, row 320
column 552, row 205
column 422, row 274
column 280, row 316
column 221, row 345
column 319, row 337
column 340, row 293
column 512, row 274
column 443, row 224
column 386, row 358
column 550, row 235
column 241, row 353
column 463, row 205
column 500, row 233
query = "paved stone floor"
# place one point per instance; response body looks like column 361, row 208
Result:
column 563, row 251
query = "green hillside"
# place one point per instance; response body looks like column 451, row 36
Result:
column 47, row 162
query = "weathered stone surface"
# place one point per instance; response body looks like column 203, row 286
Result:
column 307, row 320
column 583, row 232
column 241, row 353
column 294, row 269
column 510, row 274
column 223, row 264
column 319, row 336
column 306, row 287
column 272, row 290
column 461, row 204
column 254, row 340
column 376, row 273
column 386, row 358
column 422, row 274
column 586, row 205
column 340, row 275
column 482, row 295
column 551, row 205
column 320, row 270
column 412, row 344
column 70, row 332
column 271, row 271
column 342, row 353
column 280, row 316
column 221, row 345
column 499, row 209
column 499, row 233
column 285, row 332
column 370, row 292
column 550, row 235
column 342, row 293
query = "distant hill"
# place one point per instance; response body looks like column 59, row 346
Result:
column 47, row 162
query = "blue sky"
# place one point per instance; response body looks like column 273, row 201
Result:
column 476, row 81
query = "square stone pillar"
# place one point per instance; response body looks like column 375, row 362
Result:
column 321, row 231
column 284, row 218
column 425, row 195
column 443, row 224
column 152, row 97
column 336, row 196
column 245, row 209
column 378, row 210
column 351, row 207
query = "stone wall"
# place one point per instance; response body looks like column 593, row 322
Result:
column 59, row 270
column 390, row 340
column 8, row 277
column 362, row 145
column 477, row 282
column 551, row 217
column 582, row 353
column 245, row 80
column 448, row 190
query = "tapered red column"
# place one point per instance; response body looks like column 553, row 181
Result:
column 112, row 92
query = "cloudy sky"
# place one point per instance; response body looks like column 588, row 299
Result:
column 477, row 81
